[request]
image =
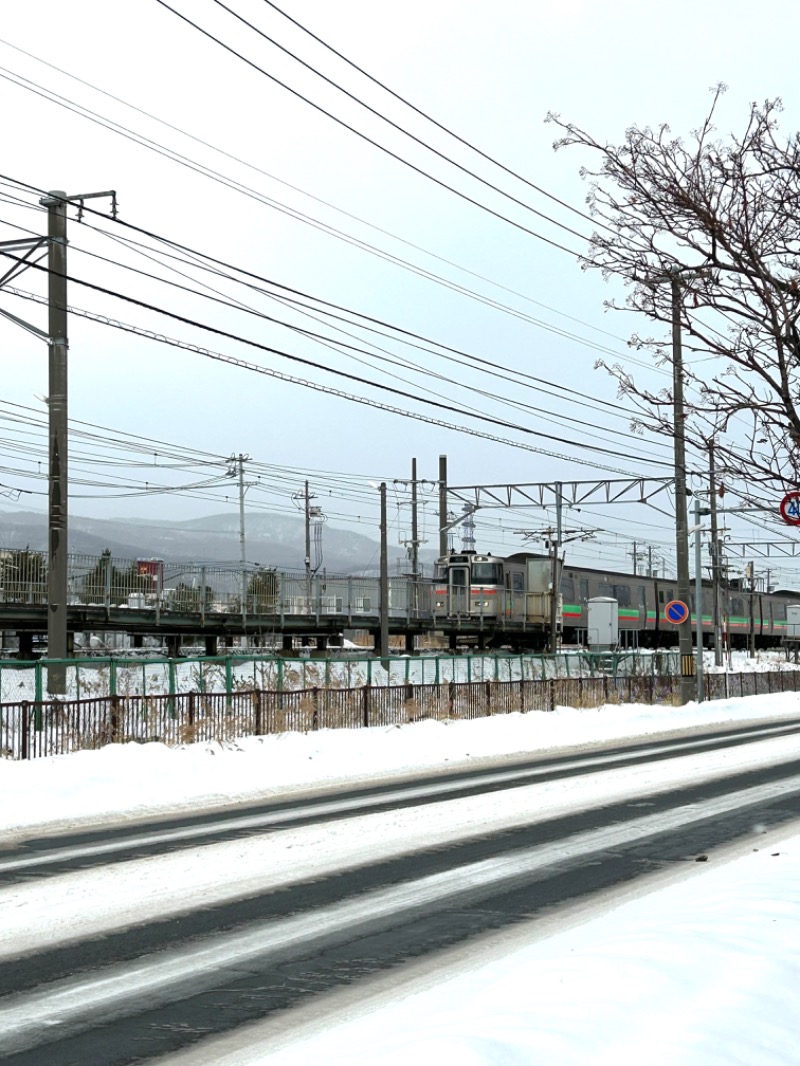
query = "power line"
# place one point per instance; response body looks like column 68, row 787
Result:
column 235, row 361
column 307, row 362
column 390, row 122
column 368, row 139
column 435, row 122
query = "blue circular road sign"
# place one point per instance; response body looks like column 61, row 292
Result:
column 676, row 612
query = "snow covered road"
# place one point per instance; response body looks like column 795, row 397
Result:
column 248, row 915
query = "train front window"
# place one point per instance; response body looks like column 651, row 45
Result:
column 487, row 573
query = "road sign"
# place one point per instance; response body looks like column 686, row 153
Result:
column 790, row 508
column 676, row 612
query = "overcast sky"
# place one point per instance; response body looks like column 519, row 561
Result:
column 488, row 73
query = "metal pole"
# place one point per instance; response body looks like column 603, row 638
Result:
column 698, row 603
column 442, row 505
column 715, row 556
column 554, row 576
column 57, row 405
column 383, row 651
column 414, row 541
column 308, row 548
column 242, row 551
column 681, row 521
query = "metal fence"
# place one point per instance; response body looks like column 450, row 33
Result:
column 193, row 588
column 35, row 728
column 151, row 676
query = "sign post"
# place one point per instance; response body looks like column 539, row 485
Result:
column 677, row 612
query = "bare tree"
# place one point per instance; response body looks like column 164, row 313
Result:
column 724, row 215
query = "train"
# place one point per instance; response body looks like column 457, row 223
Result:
column 511, row 599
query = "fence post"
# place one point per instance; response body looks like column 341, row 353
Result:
column 452, row 693
column 488, row 698
column 551, row 694
column 24, row 726
column 171, row 688
column 228, row 677
column 522, row 695
column 741, row 683
column 365, row 707
column 114, row 717
column 257, row 709
column 191, row 708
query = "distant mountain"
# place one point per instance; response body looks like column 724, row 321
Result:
column 271, row 540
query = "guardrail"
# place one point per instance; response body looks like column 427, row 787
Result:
column 32, row 729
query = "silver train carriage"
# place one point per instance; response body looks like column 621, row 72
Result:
column 512, row 596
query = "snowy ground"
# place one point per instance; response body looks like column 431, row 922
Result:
column 701, row 970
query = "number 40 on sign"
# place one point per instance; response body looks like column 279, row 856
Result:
column 790, row 508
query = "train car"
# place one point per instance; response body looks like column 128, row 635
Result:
column 507, row 597
column 512, row 595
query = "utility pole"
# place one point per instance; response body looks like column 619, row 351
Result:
column 307, row 509
column 715, row 556
column 555, row 577
column 698, row 602
column 56, row 203
column 383, row 649
column 635, row 556
column 58, row 482
column 414, row 541
column 241, row 460
column 443, row 520
column 681, row 518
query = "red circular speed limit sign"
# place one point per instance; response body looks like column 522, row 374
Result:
column 790, row 508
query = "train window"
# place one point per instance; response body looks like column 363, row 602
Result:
column 439, row 572
column 458, row 575
column 737, row 605
column 487, row 573
column 660, row 595
column 568, row 589
column 604, row 589
column 622, row 594
column 642, row 593
column 518, row 582
column 584, row 589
